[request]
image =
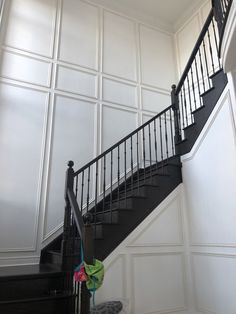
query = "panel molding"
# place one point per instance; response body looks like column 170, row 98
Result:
column 206, row 254
column 33, row 248
column 167, row 310
column 98, row 39
column 32, row 57
column 53, row 27
column 150, row 222
column 77, row 70
column 223, row 98
column 135, row 105
column 19, row 260
column 107, row 11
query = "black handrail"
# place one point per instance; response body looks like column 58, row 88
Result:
column 204, row 62
column 221, row 10
column 121, row 141
column 194, row 52
column 76, row 213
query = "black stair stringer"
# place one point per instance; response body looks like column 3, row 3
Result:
column 117, row 220
column 201, row 115
column 128, row 216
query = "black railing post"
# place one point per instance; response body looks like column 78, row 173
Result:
column 175, row 107
column 88, row 258
column 66, row 248
column 69, row 184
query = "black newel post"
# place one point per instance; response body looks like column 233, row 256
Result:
column 175, row 107
column 88, row 257
column 69, row 184
column 67, row 263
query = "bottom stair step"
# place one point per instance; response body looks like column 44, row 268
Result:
column 33, row 289
column 58, row 304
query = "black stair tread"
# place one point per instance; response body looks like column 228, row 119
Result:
column 39, row 270
column 207, row 91
column 101, row 223
column 113, row 209
column 199, row 109
column 61, row 295
column 216, row 73
column 116, row 208
column 181, row 142
column 57, row 252
column 189, row 126
column 141, row 184
column 123, row 198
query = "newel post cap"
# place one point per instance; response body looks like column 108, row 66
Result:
column 70, row 164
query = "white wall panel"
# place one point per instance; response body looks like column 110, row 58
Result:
column 22, row 114
column 70, row 142
column 150, row 277
column 79, row 34
column 157, row 58
column 158, row 283
column 155, row 101
column 119, row 55
column 157, row 233
column 215, row 283
column 75, row 81
column 210, row 178
column 114, row 273
column 186, row 38
column 25, row 69
column 119, row 93
column 30, row 25
column 205, row 10
column 116, row 124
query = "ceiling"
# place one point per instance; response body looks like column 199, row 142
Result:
column 165, row 13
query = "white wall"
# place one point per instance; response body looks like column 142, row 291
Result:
column 68, row 70
column 209, row 176
column 187, row 34
column 150, row 267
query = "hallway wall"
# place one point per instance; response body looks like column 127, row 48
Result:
column 74, row 78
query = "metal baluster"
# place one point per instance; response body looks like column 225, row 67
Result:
column 132, row 164
column 210, row 49
column 118, row 173
column 104, row 184
column 206, row 63
column 190, row 100
column 166, row 136
column 216, row 43
column 182, row 108
column 193, row 88
column 88, row 188
column 76, row 186
column 144, row 155
column 201, row 67
column 150, row 148
column 111, row 179
column 161, row 140
column 96, row 195
column 172, row 132
column 185, row 106
column 137, row 145
column 125, row 161
column 82, row 192
column 155, row 140
column 198, row 83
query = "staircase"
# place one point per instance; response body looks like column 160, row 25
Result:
column 111, row 195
